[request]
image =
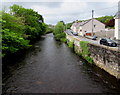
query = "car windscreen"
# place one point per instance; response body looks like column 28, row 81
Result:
column 109, row 40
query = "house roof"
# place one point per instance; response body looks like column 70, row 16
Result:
column 84, row 22
column 77, row 24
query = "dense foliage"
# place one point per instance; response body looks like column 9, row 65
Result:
column 68, row 25
column 19, row 27
column 49, row 28
column 105, row 19
column 59, row 31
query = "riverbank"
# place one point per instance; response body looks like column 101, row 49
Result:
column 104, row 57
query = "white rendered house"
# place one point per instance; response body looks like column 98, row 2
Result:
column 117, row 23
column 86, row 27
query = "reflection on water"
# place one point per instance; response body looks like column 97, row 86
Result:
column 51, row 67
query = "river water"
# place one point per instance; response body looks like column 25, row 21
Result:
column 52, row 67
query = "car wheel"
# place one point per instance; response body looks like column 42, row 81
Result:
column 114, row 45
column 108, row 44
column 101, row 43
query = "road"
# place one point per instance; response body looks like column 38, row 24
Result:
column 90, row 40
column 83, row 38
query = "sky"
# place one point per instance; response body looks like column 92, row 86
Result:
column 67, row 10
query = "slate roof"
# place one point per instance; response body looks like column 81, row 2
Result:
column 77, row 24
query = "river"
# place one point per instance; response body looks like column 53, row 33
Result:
column 52, row 67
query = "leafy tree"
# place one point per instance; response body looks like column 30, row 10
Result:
column 12, row 34
column 105, row 19
column 12, row 42
column 59, row 31
column 34, row 25
column 14, row 24
column 19, row 27
column 49, row 28
column 68, row 25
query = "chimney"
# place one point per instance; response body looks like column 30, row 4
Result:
column 76, row 21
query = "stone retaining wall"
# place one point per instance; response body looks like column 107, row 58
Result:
column 103, row 57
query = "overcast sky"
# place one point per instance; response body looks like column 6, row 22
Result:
column 67, row 10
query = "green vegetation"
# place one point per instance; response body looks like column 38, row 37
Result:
column 59, row 31
column 68, row 25
column 19, row 28
column 49, row 29
column 85, row 51
column 105, row 19
column 71, row 44
column 108, row 21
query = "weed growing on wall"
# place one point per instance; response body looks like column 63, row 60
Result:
column 71, row 44
column 85, row 51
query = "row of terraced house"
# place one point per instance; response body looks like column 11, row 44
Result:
column 86, row 28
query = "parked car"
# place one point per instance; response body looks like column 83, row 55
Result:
column 94, row 38
column 71, row 31
column 108, row 42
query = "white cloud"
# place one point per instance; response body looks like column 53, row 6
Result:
column 60, row 0
column 64, row 11
column 66, row 7
column 67, row 10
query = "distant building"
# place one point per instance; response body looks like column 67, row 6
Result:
column 85, row 27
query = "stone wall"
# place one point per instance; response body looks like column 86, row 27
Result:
column 104, row 57
column 108, row 34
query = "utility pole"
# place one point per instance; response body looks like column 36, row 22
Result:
column 92, row 22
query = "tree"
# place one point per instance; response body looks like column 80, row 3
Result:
column 49, row 28
column 19, row 27
column 59, row 31
column 12, row 34
column 34, row 23
column 68, row 25
column 105, row 19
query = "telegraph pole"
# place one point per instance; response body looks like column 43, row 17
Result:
column 92, row 21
